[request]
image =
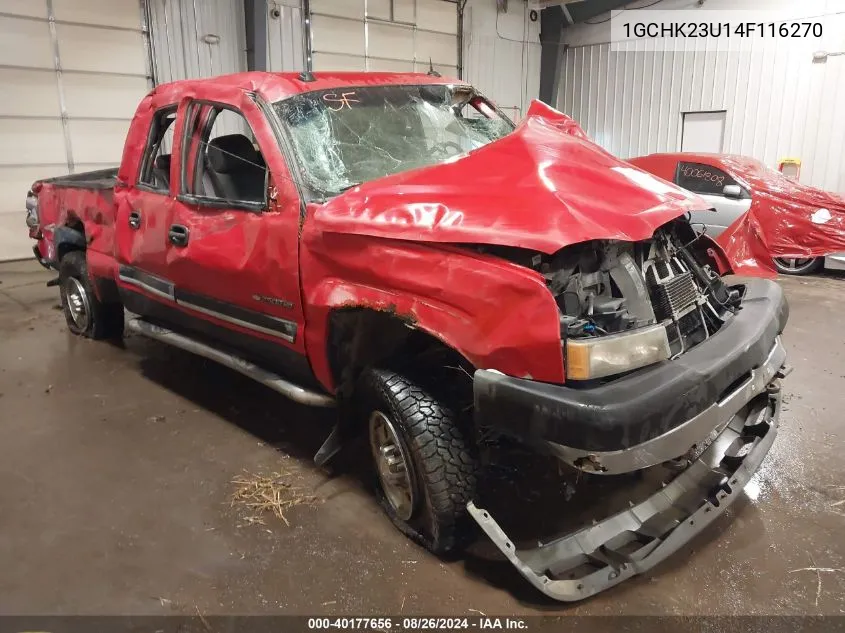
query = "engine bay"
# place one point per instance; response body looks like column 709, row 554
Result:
column 611, row 287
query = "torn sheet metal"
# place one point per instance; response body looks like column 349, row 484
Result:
column 786, row 218
column 495, row 313
column 543, row 187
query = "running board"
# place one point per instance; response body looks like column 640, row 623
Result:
column 276, row 383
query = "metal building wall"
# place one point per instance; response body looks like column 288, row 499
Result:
column 285, row 40
column 778, row 102
column 72, row 73
column 196, row 38
column 502, row 54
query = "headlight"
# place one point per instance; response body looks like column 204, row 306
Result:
column 600, row 356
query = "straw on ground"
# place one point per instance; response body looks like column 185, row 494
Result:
column 261, row 494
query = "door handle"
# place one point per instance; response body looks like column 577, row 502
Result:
column 178, row 235
column 135, row 219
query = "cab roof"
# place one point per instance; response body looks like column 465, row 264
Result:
column 277, row 86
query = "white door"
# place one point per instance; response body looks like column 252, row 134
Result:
column 72, row 73
column 386, row 35
column 703, row 132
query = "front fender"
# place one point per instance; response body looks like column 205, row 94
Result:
column 496, row 314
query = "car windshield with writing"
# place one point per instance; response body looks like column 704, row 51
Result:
column 342, row 138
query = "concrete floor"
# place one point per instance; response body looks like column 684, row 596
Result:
column 116, row 468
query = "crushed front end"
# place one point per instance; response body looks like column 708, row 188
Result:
column 667, row 363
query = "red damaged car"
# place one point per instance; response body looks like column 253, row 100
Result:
column 350, row 239
column 759, row 216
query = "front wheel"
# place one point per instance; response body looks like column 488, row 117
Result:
column 85, row 314
column 426, row 464
column 798, row 265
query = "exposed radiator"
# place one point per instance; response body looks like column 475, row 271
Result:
column 673, row 297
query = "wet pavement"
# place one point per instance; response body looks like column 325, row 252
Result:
column 116, row 465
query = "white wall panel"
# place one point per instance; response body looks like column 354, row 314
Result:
column 14, row 180
column 502, row 54
column 338, row 62
column 25, row 43
column 12, row 245
column 25, row 7
column 337, row 35
column 438, row 47
column 363, row 31
column 393, row 66
column 31, row 142
column 29, row 93
column 778, row 102
column 102, row 95
column 119, row 13
column 437, row 16
column 285, row 36
column 381, row 9
column 82, row 48
column 391, row 41
column 404, row 10
column 98, row 141
column 56, row 83
column 346, row 8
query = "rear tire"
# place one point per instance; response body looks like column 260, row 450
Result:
column 426, row 462
column 85, row 314
column 797, row 265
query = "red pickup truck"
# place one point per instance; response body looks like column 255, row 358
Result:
column 392, row 245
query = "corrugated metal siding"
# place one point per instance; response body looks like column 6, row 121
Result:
column 778, row 102
column 502, row 54
column 285, row 41
column 197, row 38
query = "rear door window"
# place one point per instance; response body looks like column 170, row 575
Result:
column 155, row 164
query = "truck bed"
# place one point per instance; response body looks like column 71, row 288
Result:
column 99, row 179
column 67, row 205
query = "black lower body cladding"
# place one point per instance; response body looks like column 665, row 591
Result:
column 723, row 398
column 645, row 404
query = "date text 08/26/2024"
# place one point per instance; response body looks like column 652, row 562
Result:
column 416, row 623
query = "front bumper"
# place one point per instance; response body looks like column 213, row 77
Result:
column 652, row 415
column 631, row 542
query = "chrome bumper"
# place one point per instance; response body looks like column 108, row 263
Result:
column 586, row 562
column 682, row 438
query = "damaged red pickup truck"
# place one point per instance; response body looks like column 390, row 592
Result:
column 350, row 240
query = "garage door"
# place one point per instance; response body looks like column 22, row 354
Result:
column 72, row 73
column 388, row 35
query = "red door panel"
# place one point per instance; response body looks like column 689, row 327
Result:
column 240, row 268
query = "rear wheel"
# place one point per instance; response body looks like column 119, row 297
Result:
column 85, row 314
column 798, row 265
column 425, row 461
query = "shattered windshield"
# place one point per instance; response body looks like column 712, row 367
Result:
column 343, row 138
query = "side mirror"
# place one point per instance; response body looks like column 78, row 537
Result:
column 732, row 191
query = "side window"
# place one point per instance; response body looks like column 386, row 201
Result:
column 222, row 166
column 702, row 178
column 155, row 164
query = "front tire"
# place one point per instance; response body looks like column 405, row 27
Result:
column 85, row 314
column 798, row 265
column 426, row 462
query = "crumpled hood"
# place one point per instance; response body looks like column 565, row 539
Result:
column 543, row 187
